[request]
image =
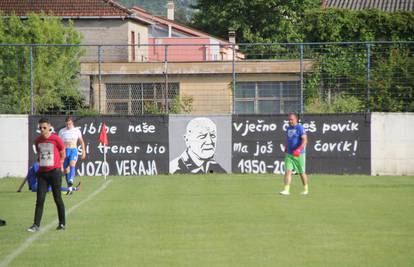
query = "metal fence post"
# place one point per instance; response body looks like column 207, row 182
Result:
column 142, row 99
column 99, row 79
column 301, row 78
column 234, row 77
column 31, row 80
column 166, row 77
column 368, row 76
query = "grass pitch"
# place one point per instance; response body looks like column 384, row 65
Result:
column 216, row 220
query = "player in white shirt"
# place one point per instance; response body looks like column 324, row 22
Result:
column 70, row 136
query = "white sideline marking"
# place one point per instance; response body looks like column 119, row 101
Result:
column 9, row 258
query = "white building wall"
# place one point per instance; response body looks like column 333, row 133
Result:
column 14, row 145
column 141, row 37
column 392, row 144
column 109, row 32
column 101, row 32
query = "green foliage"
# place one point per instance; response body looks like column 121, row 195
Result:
column 339, row 25
column 86, row 112
column 253, row 20
column 340, row 103
column 341, row 68
column 338, row 70
column 341, row 71
column 151, row 107
column 180, row 105
column 54, row 68
column 389, row 93
column 297, row 21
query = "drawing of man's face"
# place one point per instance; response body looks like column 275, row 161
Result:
column 201, row 137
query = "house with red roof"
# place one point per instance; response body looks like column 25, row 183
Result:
column 107, row 22
column 166, row 31
column 146, row 61
column 99, row 21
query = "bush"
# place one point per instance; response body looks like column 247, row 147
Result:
column 340, row 103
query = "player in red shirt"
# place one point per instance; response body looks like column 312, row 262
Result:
column 51, row 154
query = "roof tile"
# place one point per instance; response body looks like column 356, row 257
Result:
column 63, row 8
column 385, row 5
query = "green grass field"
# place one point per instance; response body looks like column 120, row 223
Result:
column 216, row 220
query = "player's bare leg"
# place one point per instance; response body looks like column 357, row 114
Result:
column 304, row 178
column 287, row 181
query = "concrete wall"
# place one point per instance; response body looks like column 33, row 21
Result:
column 100, row 31
column 208, row 82
column 110, row 32
column 14, row 145
column 141, row 37
column 197, row 68
column 392, row 144
column 211, row 94
column 176, row 52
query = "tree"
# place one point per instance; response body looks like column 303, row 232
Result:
column 342, row 69
column 55, row 68
column 392, row 81
column 341, row 25
column 253, row 20
column 338, row 81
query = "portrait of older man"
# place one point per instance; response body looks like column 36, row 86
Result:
column 200, row 139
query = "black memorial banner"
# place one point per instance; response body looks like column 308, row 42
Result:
column 338, row 143
column 137, row 145
column 256, row 144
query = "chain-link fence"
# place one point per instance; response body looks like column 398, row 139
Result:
column 207, row 78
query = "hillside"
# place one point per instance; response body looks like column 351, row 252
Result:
column 183, row 10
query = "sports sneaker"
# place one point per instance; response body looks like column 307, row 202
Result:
column 60, row 227
column 79, row 186
column 70, row 191
column 284, row 193
column 305, row 193
column 33, row 228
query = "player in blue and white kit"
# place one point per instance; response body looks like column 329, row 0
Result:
column 70, row 136
column 31, row 179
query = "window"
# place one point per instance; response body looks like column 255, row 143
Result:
column 133, row 46
column 139, row 98
column 267, row 97
column 139, row 40
column 244, row 107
